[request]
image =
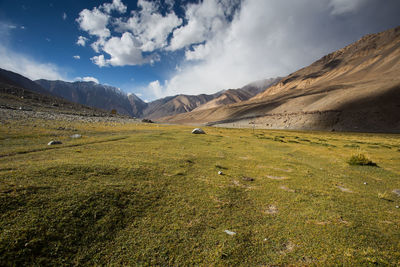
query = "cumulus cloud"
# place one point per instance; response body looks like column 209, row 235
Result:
column 155, row 89
column 116, row 5
column 204, row 20
column 28, row 66
column 94, row 22
column 77, row 57
column 64, row 16
column 150, row 28
column 123, row 51
column 81, row 41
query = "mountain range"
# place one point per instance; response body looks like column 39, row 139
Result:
column 111, row 98
column 356, row 88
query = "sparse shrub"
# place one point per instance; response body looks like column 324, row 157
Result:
column 114, row 112
column 361, row 159
column 384, row 196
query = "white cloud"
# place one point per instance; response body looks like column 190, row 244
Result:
column 99, row 61
column 123, row 51
column 87, row 79
column 345, row 6
column 116, row 5
column 64, row 16
column 199, row 52
column 155, row 89
column 81, row 41
column 205, row 19
column 28, row 66
column 150, row 28
column 94, row 22
column 77, row 57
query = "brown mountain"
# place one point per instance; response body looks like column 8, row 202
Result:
column 173, row 105
column 232, row 96
column 356, row 88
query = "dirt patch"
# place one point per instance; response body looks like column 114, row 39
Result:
column 276, row 177
column 285, row 188
column 344, row 189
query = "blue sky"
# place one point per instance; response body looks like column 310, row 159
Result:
column 165, row 47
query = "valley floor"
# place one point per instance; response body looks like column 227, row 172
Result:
column 128, row 193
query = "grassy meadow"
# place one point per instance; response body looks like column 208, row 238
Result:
column 148, row 194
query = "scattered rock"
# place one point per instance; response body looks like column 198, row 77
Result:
column 271, row 209
column 76, row 136
column 249, row 179
column 397, row 192
column 397, row 207
column 52, row 142
column 276, row 177
column 198, row 131
column 220, row 172
column 343, row 189
column 288, row 247
column 283, row 187
column 365, row 183
column 147, row 121
column 230, row 232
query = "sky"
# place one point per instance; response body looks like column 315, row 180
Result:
column 164, row 47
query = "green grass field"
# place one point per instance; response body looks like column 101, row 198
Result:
column 146, row 194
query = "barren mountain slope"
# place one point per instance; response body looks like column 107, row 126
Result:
column 356, row 88
column 92, row 94
column 232, row 96
column 173, row 105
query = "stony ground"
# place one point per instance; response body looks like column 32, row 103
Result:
column 129, row 193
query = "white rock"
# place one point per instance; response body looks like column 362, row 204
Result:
column 76, row 136
column 52, row 142
column 219, row 172
column 365, row 183
column 198, row 131
column 230, row 232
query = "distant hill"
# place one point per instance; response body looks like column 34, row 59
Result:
column 20, row 93
column 173, row 105
column 95, row 95
column 12, row 78
column 232, row 96
column 356, row 88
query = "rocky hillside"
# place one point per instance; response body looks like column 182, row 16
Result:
column 173, row 105
column 232, row 96
column 15, row 97
column 11, row 78
column 356, row 88
column 95, row 95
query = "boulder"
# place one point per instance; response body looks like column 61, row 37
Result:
column 76, row 136
column 198, row 131
column 52, row 142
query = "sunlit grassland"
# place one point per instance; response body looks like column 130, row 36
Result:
column 147, row 194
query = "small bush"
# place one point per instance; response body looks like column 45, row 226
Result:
column 361, row 159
